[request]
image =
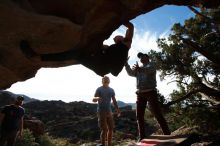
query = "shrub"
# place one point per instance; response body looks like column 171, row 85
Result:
column 45, row 140
column 62, row 142
column 27, row 139
column 203, row 117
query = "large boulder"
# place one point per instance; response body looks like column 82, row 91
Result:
column 35, row 126
column 54, row 26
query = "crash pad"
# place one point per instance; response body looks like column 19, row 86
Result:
column 162, row 140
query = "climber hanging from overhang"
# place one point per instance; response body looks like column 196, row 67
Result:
column 108, row 59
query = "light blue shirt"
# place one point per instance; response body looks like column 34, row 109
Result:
column 106, row 94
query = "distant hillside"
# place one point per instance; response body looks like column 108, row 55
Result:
column 133, row 105
column 123, row 104
column 27, row 98
column 7, row 97
column 78, row 121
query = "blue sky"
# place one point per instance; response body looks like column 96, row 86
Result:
column 163, row 17
column 77, row 83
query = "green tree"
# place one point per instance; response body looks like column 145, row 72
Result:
column 191, row 54
column 191, row 57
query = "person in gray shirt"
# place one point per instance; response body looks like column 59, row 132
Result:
column 103, row 95
column 146, row 92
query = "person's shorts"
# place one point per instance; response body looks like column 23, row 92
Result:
column 105, row 120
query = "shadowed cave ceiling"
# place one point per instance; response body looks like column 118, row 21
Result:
column 53, row 26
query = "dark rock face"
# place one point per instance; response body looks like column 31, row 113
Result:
column 53, row 26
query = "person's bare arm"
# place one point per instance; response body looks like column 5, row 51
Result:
column 131, row 71
column 129, row 34
column 96, row 99
column 116, row 105
column 21, row 127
